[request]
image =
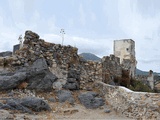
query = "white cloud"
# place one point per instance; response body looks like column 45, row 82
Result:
column 83, row 44
column 17, row 10
column 139, row 27
column 82, row 14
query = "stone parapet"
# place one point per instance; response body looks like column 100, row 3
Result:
column 136, row 105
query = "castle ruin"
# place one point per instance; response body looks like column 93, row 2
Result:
column 125, row 50
column 47, row 67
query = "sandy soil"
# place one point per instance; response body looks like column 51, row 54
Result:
column 81, row 114
column 73, row 113
column 88, row 114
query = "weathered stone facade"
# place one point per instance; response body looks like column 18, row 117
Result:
column 125, row 50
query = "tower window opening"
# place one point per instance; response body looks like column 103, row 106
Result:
column 127, row 49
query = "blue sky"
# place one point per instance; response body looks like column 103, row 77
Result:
column 90, row 25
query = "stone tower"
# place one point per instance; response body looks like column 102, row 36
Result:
column 125, row 50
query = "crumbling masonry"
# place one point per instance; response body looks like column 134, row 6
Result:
column 72, row 71
column 125, row 50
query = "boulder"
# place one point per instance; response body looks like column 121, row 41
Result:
column 91, row 100
column 71, row 86
column 28, row 104
column 52, row 99
column 37, row 77
column 16, row 105
column 41, row 80
column 35, row 104
column 64, row 95
column 39, row 64
column 11, row 82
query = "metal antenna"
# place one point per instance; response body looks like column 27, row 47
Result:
column 62, row 33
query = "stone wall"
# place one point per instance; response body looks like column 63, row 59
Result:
column 149, row 79
column 136, row 105
column 63, row 61
column 125, row 50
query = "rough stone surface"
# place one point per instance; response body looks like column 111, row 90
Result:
column 63, row 62
column 37, row 77
column 107, row 110
column 14, row 104
column 91, row 100
column 26, row 105
column 36, row 104
column 52, row 99
column 11, row 82
column 72, row 84
column 135, row 105
column 41, row 80
column 5, row 115
column 64, row 95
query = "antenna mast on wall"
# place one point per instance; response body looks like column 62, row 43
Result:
column 62, row 33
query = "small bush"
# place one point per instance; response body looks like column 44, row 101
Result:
column 139, row 86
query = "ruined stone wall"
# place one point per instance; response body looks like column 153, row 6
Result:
column 136, row 105
column 125, row 50
column 72, row 71
column 111, row 68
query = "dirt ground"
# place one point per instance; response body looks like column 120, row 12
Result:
column 60, row 111
column 77, row 112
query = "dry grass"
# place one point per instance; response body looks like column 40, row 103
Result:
column 23, row 85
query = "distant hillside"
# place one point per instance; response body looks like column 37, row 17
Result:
column 90, row 56
column 140, row 72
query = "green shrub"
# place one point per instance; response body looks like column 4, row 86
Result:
column 139, row 86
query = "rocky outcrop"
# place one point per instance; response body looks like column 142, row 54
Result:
column 28, row 104
column 64, row 95
column 35, row 104
column 39, row 77
column 91, row 100
column 8, row 82
column 36, row 77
